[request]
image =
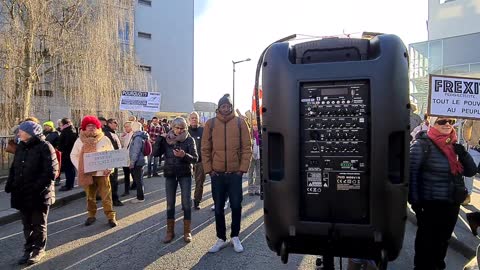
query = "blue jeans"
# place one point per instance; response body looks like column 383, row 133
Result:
column 229, row 185
column 171, row 184
column 152, row 162
column 137, row 175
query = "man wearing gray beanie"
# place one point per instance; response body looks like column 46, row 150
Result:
column 227, row 138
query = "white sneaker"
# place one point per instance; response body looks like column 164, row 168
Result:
column 237, row 245
column 137, row 200
column 218, row 246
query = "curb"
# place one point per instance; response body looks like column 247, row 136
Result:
column 59, row 202
column 3, row 179
column 466, row 251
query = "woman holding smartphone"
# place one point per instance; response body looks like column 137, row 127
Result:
column 180, row 153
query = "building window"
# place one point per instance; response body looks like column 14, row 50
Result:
column 145, row 2
column 43, row 93
column 144, row 35
column 124, row 32
column 145, row 68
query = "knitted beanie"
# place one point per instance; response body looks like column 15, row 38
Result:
column 224, row 100
column 32, row 128
column 50, row 124
column 90, row 119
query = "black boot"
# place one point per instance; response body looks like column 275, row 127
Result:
column 473, row 221
column 37, row 256
column 196, row 205
column 24, row 258
column 117, row 203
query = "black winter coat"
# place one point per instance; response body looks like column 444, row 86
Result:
column 197, row 133
column 175, row 166
column 108, row 132
column 66, row 141
column 52, row 138
column 32, row 174
column 430, row 176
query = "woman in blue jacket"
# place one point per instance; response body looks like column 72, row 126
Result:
column 437, row 166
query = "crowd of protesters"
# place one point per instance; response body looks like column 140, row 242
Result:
column 221, row 148
column 225, row 147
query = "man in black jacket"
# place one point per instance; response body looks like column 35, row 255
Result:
column 109, row 130
column 67, row 139
column 196, row 132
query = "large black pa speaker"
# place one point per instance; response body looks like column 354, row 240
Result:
column 335, row 137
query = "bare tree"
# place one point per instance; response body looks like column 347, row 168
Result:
column 72, row 53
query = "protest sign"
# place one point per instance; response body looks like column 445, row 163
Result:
column 456, row 97
column 140, row 101
column 100, row 161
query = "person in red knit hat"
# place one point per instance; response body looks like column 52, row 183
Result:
column 91, row 140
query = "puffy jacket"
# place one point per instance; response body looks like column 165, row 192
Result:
column 135, row 148
column 430, row 176
column 196, row 134
column 103, row 145
column 176, row 166
column 223, row 150
column 31, row 175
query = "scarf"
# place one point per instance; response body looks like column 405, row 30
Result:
column 89, row 140
column 445, row 143
column 173, row 139
column 65, row 126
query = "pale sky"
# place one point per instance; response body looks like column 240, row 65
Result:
column 227, row 30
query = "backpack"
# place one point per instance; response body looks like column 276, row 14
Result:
column 147, row 147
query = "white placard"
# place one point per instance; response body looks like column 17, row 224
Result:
column 456, row 97
column 100, row 161
column 140, row 101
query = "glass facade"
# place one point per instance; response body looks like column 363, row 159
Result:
column 457, row 56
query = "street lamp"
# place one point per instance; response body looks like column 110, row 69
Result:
column 236, row 62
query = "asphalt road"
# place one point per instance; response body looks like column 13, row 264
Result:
column 137, row 242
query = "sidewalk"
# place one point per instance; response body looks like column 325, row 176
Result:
column 8, row 214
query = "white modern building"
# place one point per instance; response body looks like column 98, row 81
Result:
column 164, row 44
column 452, row 46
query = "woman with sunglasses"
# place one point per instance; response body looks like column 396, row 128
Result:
column 437, row 164
column 180, row 153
